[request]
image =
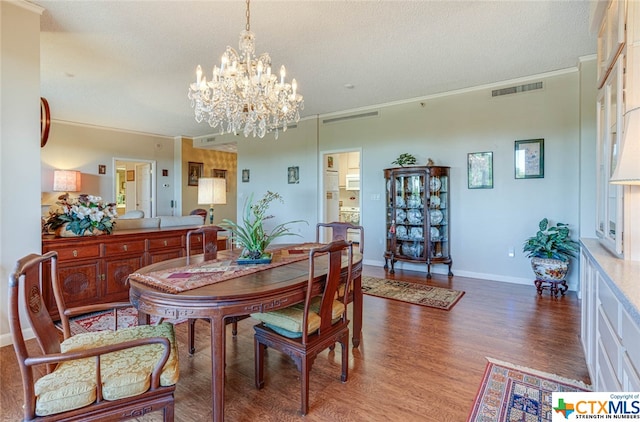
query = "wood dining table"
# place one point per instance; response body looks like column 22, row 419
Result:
column 265, row 290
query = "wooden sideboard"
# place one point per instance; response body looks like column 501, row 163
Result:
column 94, row 269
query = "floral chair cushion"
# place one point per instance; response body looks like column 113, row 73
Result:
column 125, row 373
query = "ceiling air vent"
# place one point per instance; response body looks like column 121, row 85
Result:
column 516, row 89
column 350, row 117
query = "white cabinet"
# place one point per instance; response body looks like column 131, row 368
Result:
column 610, row 335
column 609, row 219
column 348, row 163
column 610, row 224
column 353, row 161
column 611, row 37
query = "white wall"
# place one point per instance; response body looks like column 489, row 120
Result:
column 485, row 222
column 80, row 147
column 268, row 160
column 19, row 142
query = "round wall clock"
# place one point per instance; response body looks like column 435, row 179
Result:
column 45, row 121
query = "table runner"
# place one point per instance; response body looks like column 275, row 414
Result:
column 181, row 279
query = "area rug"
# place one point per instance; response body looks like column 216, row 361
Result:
column 419, row 294
column 99, row 321
column 514, row 393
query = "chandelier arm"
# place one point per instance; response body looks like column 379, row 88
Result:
column 248, row 27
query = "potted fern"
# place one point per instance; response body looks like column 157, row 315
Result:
column 550, row 251
column 404, row 159
column 250, row 235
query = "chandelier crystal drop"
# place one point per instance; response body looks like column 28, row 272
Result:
column 243, row 95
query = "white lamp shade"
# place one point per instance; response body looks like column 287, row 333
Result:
column 212, row 190
column 66, row 181
column 627, row 171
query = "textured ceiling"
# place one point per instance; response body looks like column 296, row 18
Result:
column 127, row 64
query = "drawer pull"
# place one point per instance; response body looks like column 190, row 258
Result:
column 165, row 243
column 124, row 247
column 75, row 252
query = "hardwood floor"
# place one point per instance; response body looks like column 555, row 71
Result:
column 414, row 364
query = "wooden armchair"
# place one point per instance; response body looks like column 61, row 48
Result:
column 210, row 250
column 98, row 376
column 304, row 330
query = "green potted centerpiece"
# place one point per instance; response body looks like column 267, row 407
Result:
column 250, row 235
column 550, row 251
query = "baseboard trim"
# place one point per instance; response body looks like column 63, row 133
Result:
column 6, row 339
column 443, row 270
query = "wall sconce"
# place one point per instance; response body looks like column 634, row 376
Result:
column 212, row 191
column 627, row 171
column 66, row 181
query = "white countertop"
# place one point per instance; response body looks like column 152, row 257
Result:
column 621, row 275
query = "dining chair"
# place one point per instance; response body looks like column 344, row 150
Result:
column 200, row 211
column 340, row 230
column 210, row 250
column 97, row 376
column 304, row 330
column 209, row 239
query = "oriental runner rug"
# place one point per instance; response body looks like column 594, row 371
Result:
column 514, row 393
column 100, row 321
column 419, row 294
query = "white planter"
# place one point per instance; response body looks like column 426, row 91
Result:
column 549, row 269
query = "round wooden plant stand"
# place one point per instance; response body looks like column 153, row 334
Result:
column 555, row 286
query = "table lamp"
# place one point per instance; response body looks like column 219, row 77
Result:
column 66, row 181
column 212, row 191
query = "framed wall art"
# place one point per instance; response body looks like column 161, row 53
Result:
column 480, row 170
column 293, row 175
column 220, row 174
column 102, row 169
column 330, row 161
column 529, row 159
column 195, row 173
column 131, row 175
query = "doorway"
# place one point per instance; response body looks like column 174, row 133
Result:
column 134, row 185
column 340, row 190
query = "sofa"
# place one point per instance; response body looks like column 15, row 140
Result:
column 157, row 222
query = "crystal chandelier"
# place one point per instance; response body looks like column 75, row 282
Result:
column 243, row 95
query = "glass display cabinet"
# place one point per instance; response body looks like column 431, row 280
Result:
column 417, row 216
